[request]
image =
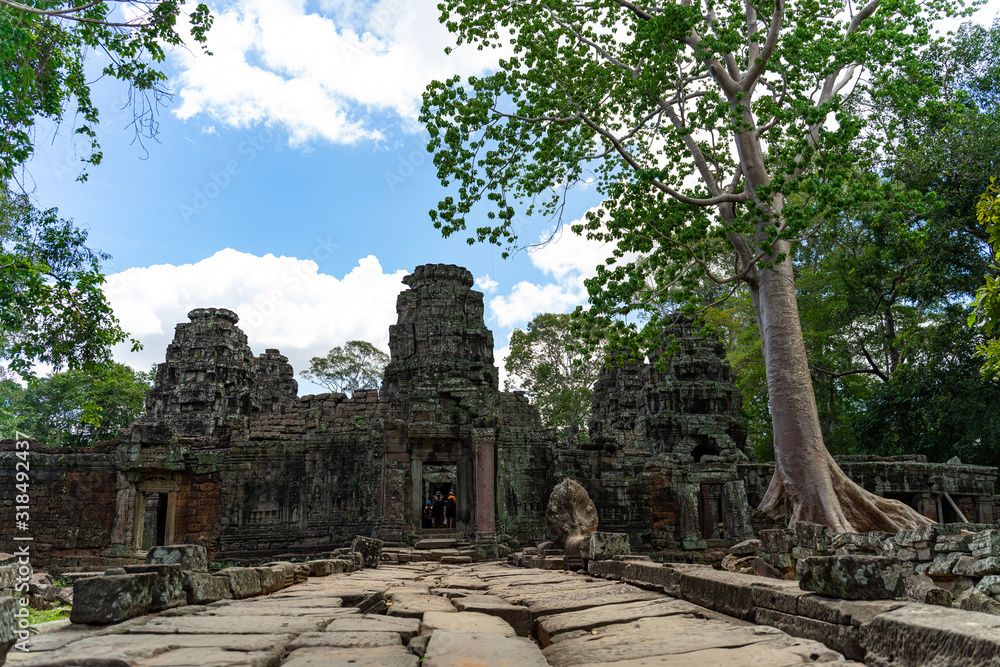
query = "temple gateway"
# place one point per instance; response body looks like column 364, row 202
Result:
column 228, row 455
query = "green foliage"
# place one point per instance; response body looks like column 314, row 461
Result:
column 356, row 365
column 79, row 407
column 44, row 46
column 10, row 395
column 555, row 366
column 711, row 142
column 57, row 613
column 986, row 313
column 52, row 308
column 937, row 404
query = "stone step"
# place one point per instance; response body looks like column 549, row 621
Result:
column 436, row 543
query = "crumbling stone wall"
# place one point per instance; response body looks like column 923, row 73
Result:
column 665, row 441
column 72, row 502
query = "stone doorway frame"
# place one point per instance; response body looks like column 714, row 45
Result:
column 142, row 489
column 465, row 520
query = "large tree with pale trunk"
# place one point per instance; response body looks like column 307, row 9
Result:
column 716, row 133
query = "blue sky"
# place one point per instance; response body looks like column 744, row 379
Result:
column 291, row 184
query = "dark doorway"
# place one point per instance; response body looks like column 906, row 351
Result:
column 438, row 478
column 154, row 521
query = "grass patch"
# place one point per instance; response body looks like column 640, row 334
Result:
column 57, row 613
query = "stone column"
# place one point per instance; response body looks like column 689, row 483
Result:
column 739, row 525
column 484, row 446
column 687, row 501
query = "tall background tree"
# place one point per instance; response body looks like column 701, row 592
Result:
column 76, row 407
column 356, row 365
column 552, row 362
column 52, row 307
column 713, row 131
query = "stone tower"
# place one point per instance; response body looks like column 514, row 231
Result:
column 684, row 404
column 206, row 385
column 440, row 336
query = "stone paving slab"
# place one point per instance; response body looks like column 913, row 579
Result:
column 583, row 599
column 683, row 635
column 450, row 648
column 130, row 649
column 581, row 621
column 380, row 656
column 465, row 621
column 549, row 627
column 346, row 639
column 517, row 616
column 415, row 606
column 211, row 625
column 406, row 628
column 278, row 610
column 214, row 657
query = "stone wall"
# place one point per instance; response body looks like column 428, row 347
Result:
column 230, row 458
column 72, row 501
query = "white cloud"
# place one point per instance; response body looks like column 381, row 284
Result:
column 320, row 76
column 568, row 259
column 283, row 302
column 487, row 284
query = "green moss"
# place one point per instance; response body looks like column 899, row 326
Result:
column 57, row 613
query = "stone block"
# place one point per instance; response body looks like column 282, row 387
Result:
column 517, row 616
column 8, row 626
column 465, row 621
column 852, row 577
column 811, row 536
column 990, row 585
column 844, row 639
column 746, row 548
column 169, row 590
column 244, row 582
column 923, row 635
column 976, row 600
column 725, row 592
column 452, row 648
column 320, row 568
column 943, row 563
column 985, row 544
column 204, row 588
column 605, row 546
column 609, row 569
column 112, row 599
column 189, row 556
column 370, row 550
column 272, row 579
column 922, row 589
column 987, row 566
column 775, row 541
column 965, row 566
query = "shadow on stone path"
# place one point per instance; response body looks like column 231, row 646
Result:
column 449, row 615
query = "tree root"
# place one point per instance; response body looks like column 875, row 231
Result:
column 842, row 506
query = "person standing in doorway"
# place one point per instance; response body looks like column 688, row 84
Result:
column 451, row 509
column 438, row 510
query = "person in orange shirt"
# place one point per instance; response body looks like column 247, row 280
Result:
column 451, row 509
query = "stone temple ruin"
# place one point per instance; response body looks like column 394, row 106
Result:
column 229, row 457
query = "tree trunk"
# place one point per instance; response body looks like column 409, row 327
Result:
column 807, row 485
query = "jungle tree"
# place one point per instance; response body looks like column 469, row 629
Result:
column 713, row 129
